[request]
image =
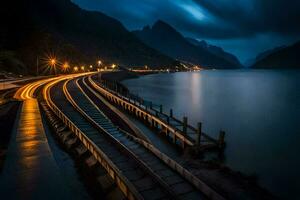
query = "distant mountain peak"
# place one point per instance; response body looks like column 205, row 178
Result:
column 166, row 39
column 268, row 52
column 203, row 42
column 280, row 57
column 146, row 28
column 160, row 25
column 196, row 42
column 218, row 51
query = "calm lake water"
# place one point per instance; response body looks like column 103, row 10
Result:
column 258, row 109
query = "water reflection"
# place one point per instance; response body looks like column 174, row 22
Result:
column 259, row 110
column 30, row 132
column 195, row 84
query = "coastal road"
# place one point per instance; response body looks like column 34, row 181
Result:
column 13, row 83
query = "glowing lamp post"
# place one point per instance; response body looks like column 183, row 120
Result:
column 52, row 63
column 75, row 69
column 99, row 63
column 65, row 66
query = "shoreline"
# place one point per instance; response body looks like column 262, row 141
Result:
column 120, row 76
column 232, row 184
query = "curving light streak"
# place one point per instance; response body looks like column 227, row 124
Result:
column 27, row 91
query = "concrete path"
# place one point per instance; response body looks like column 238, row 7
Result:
column 6, row 84
column 30, row 171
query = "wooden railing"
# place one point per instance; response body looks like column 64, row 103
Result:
column 158, row 117
column 125, row 186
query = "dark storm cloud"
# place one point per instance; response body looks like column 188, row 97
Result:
column 244, row 27
column 256, row 16
column 207, row 18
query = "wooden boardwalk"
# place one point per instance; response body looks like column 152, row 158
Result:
column 30, row 171
column 180, row 132
column 140, row 170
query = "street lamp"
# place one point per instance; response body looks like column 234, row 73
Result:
column 52, row 63
column 82, row 68
column 113, row 66
column 75, row 69
column 99, row 63
column 65, row 66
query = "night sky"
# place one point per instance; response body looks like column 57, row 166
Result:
column 242, row 27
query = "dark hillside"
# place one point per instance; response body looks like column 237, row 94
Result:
column 284, row 58
column 34, row 28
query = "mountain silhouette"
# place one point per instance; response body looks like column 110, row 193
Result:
column 281, row 58
column 164, row 38
column 218, row 51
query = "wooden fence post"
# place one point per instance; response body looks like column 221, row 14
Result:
column 221, row 140
column 185, row 121
column 171, row 112
column 199, row 132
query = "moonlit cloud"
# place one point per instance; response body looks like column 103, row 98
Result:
column 193, row 10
